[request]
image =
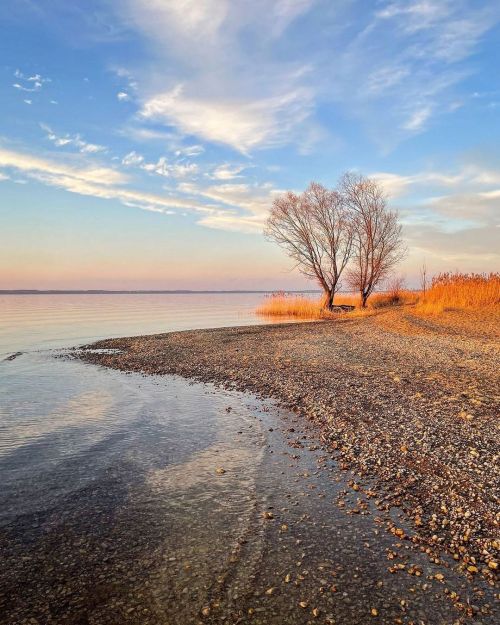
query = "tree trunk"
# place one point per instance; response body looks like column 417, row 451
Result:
column 364, row 299
column 328, row 299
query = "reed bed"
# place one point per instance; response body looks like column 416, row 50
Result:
column 281, row 304
column 289, row 305
column 461, row 291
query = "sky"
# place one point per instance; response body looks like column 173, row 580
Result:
column 142, row 141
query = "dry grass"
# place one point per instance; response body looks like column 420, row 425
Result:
column 461, row 291
column 282, row 304
column 393, row 298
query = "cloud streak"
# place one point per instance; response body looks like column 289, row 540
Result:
column 74, row 141
column 235, row 207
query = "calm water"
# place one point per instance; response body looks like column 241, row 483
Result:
column 60, row 419
column 47, row 321
column 112, row 511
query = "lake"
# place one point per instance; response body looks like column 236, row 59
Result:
column 29, row 322
column 112, row 508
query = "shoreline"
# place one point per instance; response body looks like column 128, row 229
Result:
column 410, row 402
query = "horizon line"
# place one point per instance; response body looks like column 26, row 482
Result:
column 144, row 291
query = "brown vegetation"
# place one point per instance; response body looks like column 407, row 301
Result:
column 448, row 291
column 460, row 291
column 281, row 304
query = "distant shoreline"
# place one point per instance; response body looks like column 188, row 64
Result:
column 138, row 292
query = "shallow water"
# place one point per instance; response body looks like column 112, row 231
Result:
column 112, row 509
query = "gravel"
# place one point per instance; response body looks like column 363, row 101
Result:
column 410, row 401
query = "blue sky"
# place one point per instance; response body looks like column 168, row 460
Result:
column 142, row 141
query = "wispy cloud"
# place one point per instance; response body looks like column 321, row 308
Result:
column 451, row 28
column 231, row 97
column 100, row 182
column 73, row 140
column 451, row 217
column 418, row 118
column 231, row 207
column 40, row 167
column 470, row 179
column 398, row 63
column 163, row 166
column 402, row 68
column 227, row 172
column 29, row 83
column 245, row 206
column 241, row 124
column 122, row 96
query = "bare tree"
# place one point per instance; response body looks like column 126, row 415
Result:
column 423, row 279
column 377, row 246
column 316, row 230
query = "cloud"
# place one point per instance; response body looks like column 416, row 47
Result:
column 190, row 150
column 28, row 101
column 29, row 83
column 394, row 65
column 122, row 96
column 227, row 172
column 240, row 124
column 200, row 32
column 237, row 207
column 469, row 179
column 100, row 182
column 162, row 166
column 189, row 19
column 174, row 170
column 451, row 217
column 475, row 247
column 418, row 118
column 402, row 64
column 245, row 207
column 132, row 158
column 452, row 29
column 232, row 97
column 39, row 166
column 234, row 207
column 73, row 140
